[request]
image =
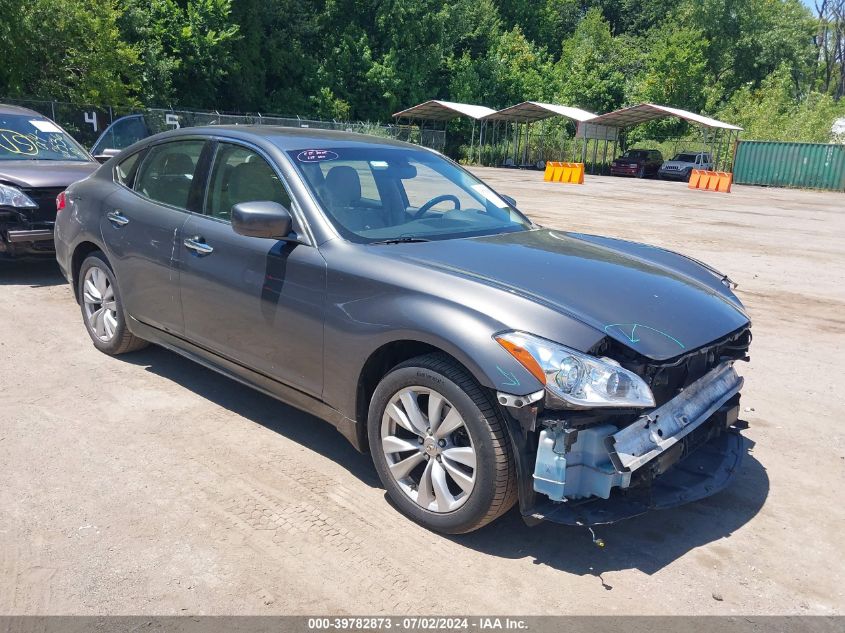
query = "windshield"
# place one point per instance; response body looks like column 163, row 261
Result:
column 635, row 153
column 382, row 193
column 685, row 158
column 25, row 137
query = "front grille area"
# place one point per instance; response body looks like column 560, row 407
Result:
column 45, row 198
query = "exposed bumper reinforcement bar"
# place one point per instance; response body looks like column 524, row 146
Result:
column 660, row 429
column 33, row 235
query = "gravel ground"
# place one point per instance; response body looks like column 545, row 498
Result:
column 149, row 485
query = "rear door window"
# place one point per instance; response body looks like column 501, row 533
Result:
column 167, row 173
column 125, row 169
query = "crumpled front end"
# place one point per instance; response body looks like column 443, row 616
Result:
column 29, row 231
column 594, row 467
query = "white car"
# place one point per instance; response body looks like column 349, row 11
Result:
column 681, row 166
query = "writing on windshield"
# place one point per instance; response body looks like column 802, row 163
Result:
column 24, row 138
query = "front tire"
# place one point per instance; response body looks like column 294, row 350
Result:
column 102, row 308
column 440, row 446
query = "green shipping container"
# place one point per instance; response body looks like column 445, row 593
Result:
column 804, row 165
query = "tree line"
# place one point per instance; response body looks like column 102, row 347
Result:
column 775, row 67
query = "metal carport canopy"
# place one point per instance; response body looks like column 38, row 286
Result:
column 531, row 111
column 629, row 117
column 436, row 110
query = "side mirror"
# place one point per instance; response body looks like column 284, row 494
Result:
column 508, row 199
column 262, row 219
column 105, row 155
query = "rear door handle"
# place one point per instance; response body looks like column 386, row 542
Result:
column 117, row 218
column 198, row 245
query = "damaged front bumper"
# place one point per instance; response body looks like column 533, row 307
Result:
column 685, row 450
column 21, row 236
column 701, row 474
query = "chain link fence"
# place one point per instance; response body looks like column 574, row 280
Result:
column 109, row 127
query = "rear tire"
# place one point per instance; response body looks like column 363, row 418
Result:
column 102, row 308
column 448, row 466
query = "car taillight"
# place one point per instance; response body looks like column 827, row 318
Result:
column 61, row 201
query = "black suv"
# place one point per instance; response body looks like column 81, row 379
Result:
column 38, row 160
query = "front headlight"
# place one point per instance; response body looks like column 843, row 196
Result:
column 579, row 380
column 13, row 197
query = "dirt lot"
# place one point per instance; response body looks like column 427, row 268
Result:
column 147, row 484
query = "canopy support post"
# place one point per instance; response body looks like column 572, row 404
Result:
column 604, row 155
column 507, row 143
column 471, row 142
column 542, row 157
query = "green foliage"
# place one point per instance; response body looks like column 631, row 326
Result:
column 544, row 22
column 773, row 111
column 592, row 67
column 184, row 48
column 675, row 68
column 750, row 39
column 521, row 71
column 66, row 49
column 326, row 105
column 765, row 64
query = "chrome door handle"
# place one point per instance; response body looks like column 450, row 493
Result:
column 199, row 247
column 117, row 218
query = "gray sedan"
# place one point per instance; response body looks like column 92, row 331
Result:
column 481, row 359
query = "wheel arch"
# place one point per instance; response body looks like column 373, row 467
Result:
column 378, row 365
column 80, row 252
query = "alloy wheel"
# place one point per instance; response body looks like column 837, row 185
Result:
column 428, row 449
column 100, row 305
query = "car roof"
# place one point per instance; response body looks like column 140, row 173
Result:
column 287, row 138
column 13, row 109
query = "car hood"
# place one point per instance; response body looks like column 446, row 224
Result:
column 657, row 302
column 678, row 163
column 38, row 174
